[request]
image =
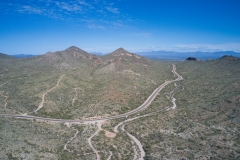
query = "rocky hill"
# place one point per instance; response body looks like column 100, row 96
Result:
column 122, row 60
column 121, row 55
column 69, row 54
column 69, row 58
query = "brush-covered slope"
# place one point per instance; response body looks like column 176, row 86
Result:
column 205, row 123
column 77, row 84
column 6, row 63
column 124, row 56
column 120, row 60
column 4, row 56
column 70, row 58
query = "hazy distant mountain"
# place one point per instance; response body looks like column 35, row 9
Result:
column 23, row 56
column 171, row 55
column 98, row 53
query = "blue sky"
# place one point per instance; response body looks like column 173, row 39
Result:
column 39, row 26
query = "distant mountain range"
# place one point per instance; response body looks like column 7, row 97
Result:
column 165, row 55
column 171, row 55
column 180, row 56
column 23, row 55
column 73, row 58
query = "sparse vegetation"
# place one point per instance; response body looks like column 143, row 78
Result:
column 205, row 124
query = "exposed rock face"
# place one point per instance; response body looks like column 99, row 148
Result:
column 50, row 56
column 192, row 59
column 64, row 65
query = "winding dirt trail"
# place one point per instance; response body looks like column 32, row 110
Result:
column 115, row 129
column 99, row 124
column 135, row 153
column 110, row 156
column 5, row 100
column 65, row 146
column 172, row 99
column 4, row 83
column 138, row 143
column 44, row 94
column 142, row 152
column 76, row 93
column 6, row 97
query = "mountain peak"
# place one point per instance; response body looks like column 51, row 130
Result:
column 73, row 48
column 70, row 54
column 121, row 52
column 125, row 56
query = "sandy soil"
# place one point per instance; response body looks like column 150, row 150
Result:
column 110, row 134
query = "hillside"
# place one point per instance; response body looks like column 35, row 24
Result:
column 117, row 83
column 5, row 61
column 4, row 56
column 193, row 118
column 124, row 55
column 205, row 123
column 69, row 58
column 121, row 59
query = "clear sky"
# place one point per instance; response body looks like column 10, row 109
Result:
column 39, row 26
